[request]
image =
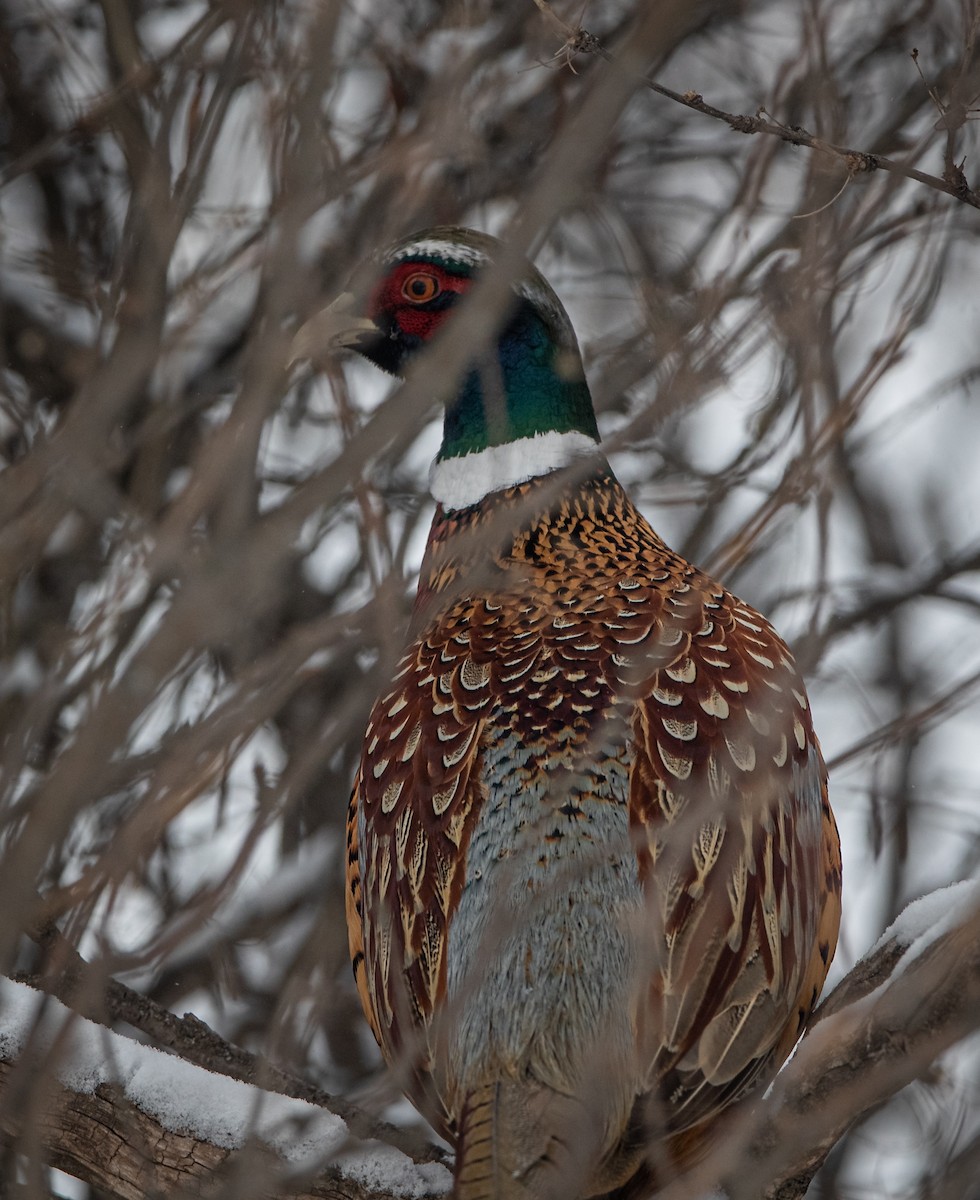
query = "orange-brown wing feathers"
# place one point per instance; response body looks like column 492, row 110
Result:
column 354, row 899
column 413, row 797
column 828, row 926
column 728, row 801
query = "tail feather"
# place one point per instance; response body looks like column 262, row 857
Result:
column 476, row 1153
column 522, row 1141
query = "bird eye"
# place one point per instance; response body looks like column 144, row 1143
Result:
column 420, row 287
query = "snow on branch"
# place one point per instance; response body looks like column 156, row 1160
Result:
column 133, row 1120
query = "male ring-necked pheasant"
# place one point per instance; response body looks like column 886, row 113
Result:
column 594, row 879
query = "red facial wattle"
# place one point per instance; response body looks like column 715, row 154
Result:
column 414, row 298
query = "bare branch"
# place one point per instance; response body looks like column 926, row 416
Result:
column 854, row 162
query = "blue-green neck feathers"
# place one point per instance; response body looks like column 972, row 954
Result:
column 527, row 385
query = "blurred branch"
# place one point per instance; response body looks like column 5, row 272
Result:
column 912, row 998
column 909, row 724
column 103, row 110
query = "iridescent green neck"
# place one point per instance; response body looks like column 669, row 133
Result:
column 529, row 386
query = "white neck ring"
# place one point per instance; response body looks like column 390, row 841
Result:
column 464, row 480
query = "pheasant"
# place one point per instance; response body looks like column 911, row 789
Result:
column 593, row 874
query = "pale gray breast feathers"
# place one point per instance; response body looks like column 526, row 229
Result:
column 542, row 948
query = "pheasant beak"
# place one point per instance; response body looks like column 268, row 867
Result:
column 331, row 329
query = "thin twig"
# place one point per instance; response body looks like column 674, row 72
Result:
column 855, row 162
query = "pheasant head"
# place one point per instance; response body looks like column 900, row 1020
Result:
column 522, row 409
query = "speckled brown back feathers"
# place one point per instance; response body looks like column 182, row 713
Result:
column 578, row 631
